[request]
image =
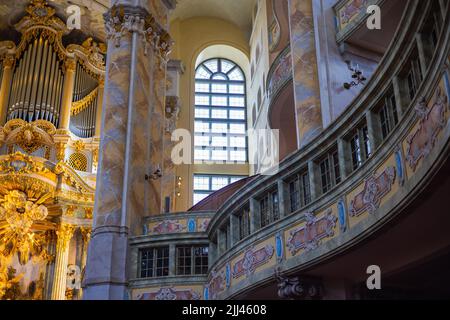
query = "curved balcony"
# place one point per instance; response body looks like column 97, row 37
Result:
column 366, row 198
column 379, row 191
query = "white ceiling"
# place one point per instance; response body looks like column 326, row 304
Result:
column 238, row 12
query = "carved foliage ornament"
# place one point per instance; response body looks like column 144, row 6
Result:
column 29, row 136
column 121, row 20
column 21, row 212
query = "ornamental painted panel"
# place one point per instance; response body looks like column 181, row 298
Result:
column 192, row 225
column 350, row 11
column 399, row 165
column 309, row 236
column 432, row 121
column 279, row 247
column 375, row 188
column 169, row 294
column 203, row 224
column 342, row 214
column 228, row 274
column 252, row 260
column 216, row 284
column 168, row 226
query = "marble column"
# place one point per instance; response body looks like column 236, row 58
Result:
column 135, row 41
column 64, row 234
column 5, row 86
column 67, row 93
column 305, row 74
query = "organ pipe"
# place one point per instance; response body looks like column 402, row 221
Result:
column 37, row 84
column 82, row 121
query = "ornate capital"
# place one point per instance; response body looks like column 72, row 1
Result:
column 294, row 288
column 64, row 234
column 86, row 234
column 70, row 64
column 124, row 19
column 8, row 61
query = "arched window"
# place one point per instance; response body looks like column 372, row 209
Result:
column 220, row 112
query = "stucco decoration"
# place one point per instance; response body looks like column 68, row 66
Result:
column 309, row 236
column 375, row 188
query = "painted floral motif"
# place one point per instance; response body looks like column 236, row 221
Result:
column 252, row 259
column 168, row 226
column 375, row 189
column 170, row 294
column 432, row 121
column 308, row 236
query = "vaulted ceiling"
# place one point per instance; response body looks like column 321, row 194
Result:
column 238, row 12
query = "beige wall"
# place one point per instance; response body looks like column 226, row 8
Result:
column 192, row 36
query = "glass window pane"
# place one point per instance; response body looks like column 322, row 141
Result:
column 237, row 156
column 199, row 197
column 212, row 65
column 236, row 75
column 219, row 155
column 201, row 87
column 201, row 100
column 201, row 126
column 201, row 183
column 219, row 88
column 219, row 101
column 201, row 154
column 201, row 141
column 219, row 128
column 219, row 114
column 219, row 141
column 238, row 142
column 201, row 113
column 219, row 76
column 227, row 66
column 202, row 73
column 237, row 88
column 234, row 179
column 237, row 102
column 237, row 128
column 237, row 114
column 219, row 183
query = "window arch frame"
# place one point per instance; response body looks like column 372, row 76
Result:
column 210, row 106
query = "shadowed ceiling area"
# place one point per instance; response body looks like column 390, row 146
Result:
column 238, row 12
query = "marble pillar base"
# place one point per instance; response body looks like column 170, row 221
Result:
column 107, row 256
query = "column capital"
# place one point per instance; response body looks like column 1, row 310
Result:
column 124, row 19
column 86, row 234
column 8, row 61
column 64, row 234
column 70, row 64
